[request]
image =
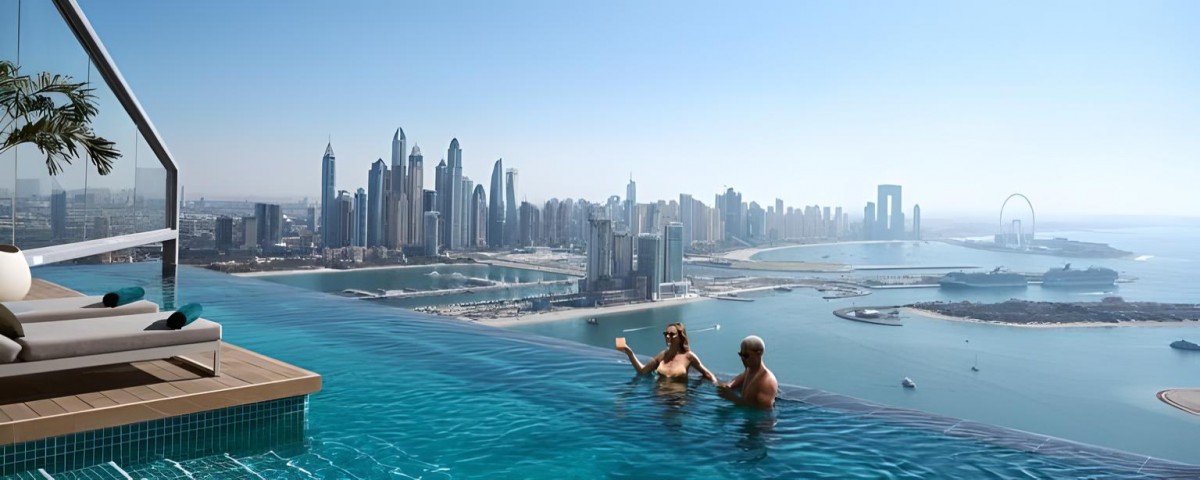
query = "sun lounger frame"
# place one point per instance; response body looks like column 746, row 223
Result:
column 114, row 358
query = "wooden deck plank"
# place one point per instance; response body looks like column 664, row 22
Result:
column 45, row 405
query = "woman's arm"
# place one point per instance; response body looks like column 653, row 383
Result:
column 637, row 364
column 694, row 362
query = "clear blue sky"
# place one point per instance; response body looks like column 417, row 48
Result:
column 1087, row 107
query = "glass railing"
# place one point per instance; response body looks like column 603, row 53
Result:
column 61, row 212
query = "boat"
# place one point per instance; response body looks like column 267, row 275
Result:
column 734, row 298
column 997, row 278
column 783, row 288
column 592, row 321
column 1092, row 277
column 1185, row 345
column 908, row 383
column 720, row 262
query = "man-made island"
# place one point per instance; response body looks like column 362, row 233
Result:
column 1111, row 311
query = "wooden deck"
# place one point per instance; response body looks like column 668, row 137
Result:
column 38, row 406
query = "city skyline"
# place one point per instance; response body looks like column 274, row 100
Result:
column 937, row 103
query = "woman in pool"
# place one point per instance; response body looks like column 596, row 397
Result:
column 672, row 363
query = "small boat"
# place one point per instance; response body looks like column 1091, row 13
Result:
column 1185, row 345
column 783, row 288
column 908, row 383
column 592, row 321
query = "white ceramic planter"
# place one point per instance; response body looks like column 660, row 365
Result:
column 14, row 274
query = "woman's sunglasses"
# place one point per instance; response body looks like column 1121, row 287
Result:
column 670, row 334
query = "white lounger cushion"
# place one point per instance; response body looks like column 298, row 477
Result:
column 72, row 308
column 92, row 336
column 8, row 350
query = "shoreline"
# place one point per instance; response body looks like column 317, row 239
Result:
column 576, row 313
column 1186, row 399
column 937, row 316
column 380, row 267
column 747, row 254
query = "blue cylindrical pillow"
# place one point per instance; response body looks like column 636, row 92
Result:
column 123, row 296
column 184, row 316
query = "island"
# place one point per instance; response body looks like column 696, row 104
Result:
column 1111, row 311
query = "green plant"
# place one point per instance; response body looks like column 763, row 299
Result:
column 55, row 115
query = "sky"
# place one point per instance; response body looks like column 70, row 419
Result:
column 1086, row 107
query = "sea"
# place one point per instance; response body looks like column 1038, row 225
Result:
column 1094, row 385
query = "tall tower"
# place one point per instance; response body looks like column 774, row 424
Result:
column 394, row 222
column 512, row 217
column 630, row 203
column 889, row 214
column 479, row 217
column 452, row 214
column 495, row 230
column 916, row 229
column 378, row 179
column 329, row 231
column 441, row 185
column 464, row 204
column 414, row 192
column 358, row 237
column 869, row 232
column 673, row 252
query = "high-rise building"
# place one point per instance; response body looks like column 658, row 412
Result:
column 452, row 208
column 249, row 232
column 431, row 230
column 630, row 201
column 429, row 203
column 312, row 219
column 496, row 211
column 343, row 219
column 869, row 221
column 731, row 209
column 269, row 231
column 599, row 252
column 916, row 228
column 359, row 235
column 622, row 245
column 466, row 191
column 329, row 232
column 530, row 224
column 222, row 233
column 649, row 262
column 58, row 214
column 414, row 192
column 889, row 214
column 377, row 181
column 673, row 253
column 756, row 222
column 395, row 201
column 441, row 182
column 512, row 216
column 479, row 217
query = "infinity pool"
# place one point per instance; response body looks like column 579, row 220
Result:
column 408, row 395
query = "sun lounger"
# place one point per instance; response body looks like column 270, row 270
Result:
column 90, row 342
column 72, row 308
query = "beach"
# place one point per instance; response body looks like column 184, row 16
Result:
column 938, row 316
column 572, row 313
column 334, row 270
column 747, row 254
column 1186, row 399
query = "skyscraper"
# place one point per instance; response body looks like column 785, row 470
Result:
column 916, row 228
column 889, row 213
column 868, row 232
column 431, row 230
column 329, row 231
column 622, row 246
column 414, row 192
column 396, row 203
column 222, row 233
column 466, row 191
column 496, row 211
column 512, row 216
column 649, row 262
column 479, row 217
column 452, row 214
column 377, row 180
column 344, row 219
column 731, row 209
column 530, row 224
column 359, row 236
column 599, row 252
column 250, row 232
column 58, row 214
column 673, row 253
column 269, row 230
column 630, row 202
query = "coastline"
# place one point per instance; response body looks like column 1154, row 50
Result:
column 747, row 254
column 575, row 313
column 1186, row 399
column 937, row 316
column 381, row 267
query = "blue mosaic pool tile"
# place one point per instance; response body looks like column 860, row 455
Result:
column 252, row 427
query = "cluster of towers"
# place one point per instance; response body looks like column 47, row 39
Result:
column 397, row 211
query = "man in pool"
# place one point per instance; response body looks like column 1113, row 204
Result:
column 756, row 387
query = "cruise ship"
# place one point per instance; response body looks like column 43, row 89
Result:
column 993, row 279
column 1092, row 277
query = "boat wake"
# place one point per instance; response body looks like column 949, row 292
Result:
column 1142, row 258
column 636, row 329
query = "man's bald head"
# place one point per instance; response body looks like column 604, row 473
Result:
column 753, row 342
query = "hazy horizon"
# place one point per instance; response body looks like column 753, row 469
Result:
column 1088, row 108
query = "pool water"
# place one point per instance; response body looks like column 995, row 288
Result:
column 409, row 395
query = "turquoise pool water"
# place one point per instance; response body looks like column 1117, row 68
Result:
column 407, row 395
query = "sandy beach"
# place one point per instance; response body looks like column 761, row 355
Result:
column 570, row 313
column 938, row 316
column 1186, row 399
column 334, row 270
column 747, row 254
